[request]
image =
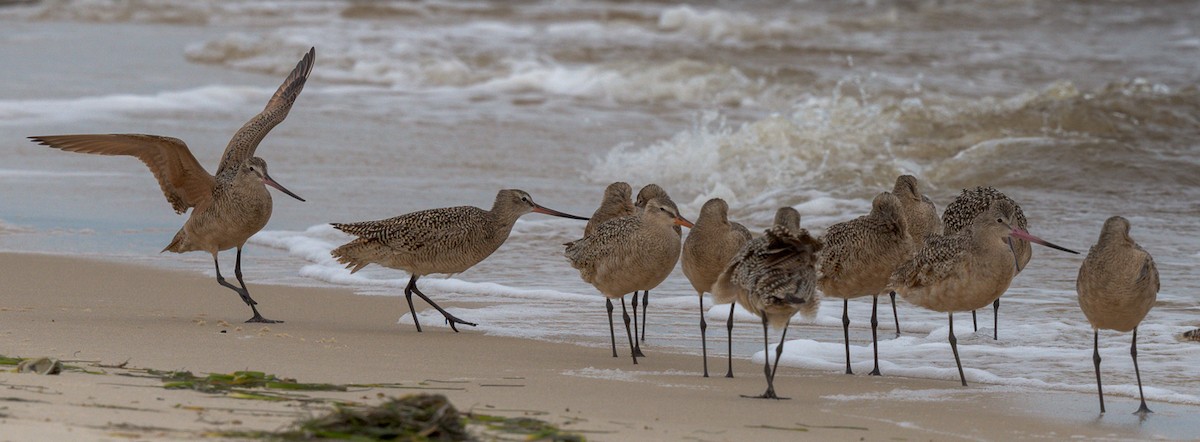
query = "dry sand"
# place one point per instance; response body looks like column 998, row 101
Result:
column 84, row 310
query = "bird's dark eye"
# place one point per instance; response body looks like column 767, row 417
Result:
column 525, row 199
column 1001, row 221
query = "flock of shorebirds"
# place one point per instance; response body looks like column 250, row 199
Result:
column 959, row 262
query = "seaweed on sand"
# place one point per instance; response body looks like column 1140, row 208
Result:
column 413, row 417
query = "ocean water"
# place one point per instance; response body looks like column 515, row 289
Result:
column 1078, row 110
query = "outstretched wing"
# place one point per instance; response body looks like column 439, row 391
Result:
column 184, row 181
column 246, row 140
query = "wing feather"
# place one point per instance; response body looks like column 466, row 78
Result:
column 183, row 180
column 243, row 144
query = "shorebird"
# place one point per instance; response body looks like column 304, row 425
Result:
column 921, row 219
column 965, row 270
column 226, row 208
column 628, row 254
column 448, row 240
column 1117, row 285
column 706, row 252
column 617, row 203
column 859, row 256
column 774, row 276
column 647, row 193
column 963, row 210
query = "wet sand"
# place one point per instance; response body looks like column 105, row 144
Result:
column 108, row 313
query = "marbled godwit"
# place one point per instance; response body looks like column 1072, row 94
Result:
column 858, row 258
column 628, row 254
column 965, row 270
column 963, row 210
column 1117, row 285
column 647, row 193
column 617, row 203
column 706, row 252
column 920, row 216
column 774, row 276
column 447, row 240
column 227, row 208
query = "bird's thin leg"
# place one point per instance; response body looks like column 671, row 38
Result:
column 775, row 368
column 846, row 331
column 645, row 303
column 974, row 322
column 612, row 333
column 954, row 348
column 637, row 344
column 874, row 336
column 703, row 334
column 241, row 291
column 729, row 336
column 1143, row 409
column 996, row 319
column 894, row 315
column 237, row 272
column 450, row 319
column 628, row 334
column 1096, row 361
column 408, row 292
column 770, row 393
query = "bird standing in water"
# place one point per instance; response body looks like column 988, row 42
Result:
column 706, row 252
column 774, row 276
column 963, row 210
column 227, row 208
column 1117, row 285
column 617, row 203
column 965, row 270
column 858, row 257
column 649, row 192
column 447, row 240
column 921, row 219
column 628, row 254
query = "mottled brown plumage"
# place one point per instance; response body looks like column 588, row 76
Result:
column 774, row 276
column 1117, row 285
column 858, row 258
column 965, row 270
column 971, row 202
column 618, row 202
column 706, row 252
column 448, row 240
column 647, row 193
column 226, row 208
column 920, row 216
column 960, row 213
column 628, row 254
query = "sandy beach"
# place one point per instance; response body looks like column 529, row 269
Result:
column 103, row 313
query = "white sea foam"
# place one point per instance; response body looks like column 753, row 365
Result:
column 212, row 99
column 725, row 27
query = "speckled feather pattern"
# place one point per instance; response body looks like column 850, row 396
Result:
column 1118, row 282
column 238, row 210
column 859, row 255
column 774, row 275
column 446, row 240
column 971, row 202
column 630, row 253
column 963, row 271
